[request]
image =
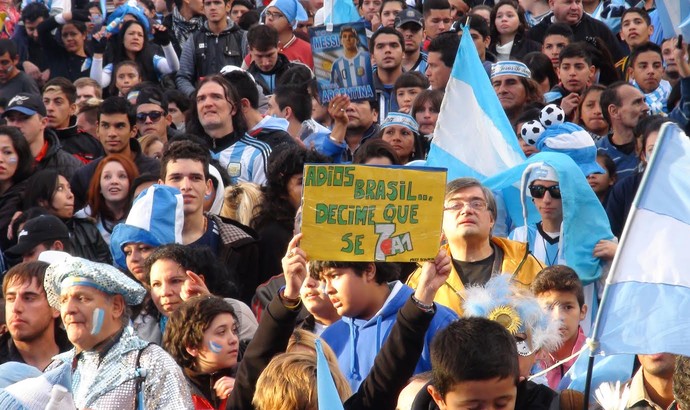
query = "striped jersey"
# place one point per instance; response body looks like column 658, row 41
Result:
column 544, row 248
column 351, row 72
column 245, row 160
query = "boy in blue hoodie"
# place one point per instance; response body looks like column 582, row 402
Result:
column 368, row 297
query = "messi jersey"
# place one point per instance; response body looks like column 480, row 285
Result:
column 351, row 72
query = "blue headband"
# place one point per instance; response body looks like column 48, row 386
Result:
column 510, row 68
column 399, row 118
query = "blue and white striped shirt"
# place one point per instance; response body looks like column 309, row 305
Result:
column 352, row 72
column 246, row 160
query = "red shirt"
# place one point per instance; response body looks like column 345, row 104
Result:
column 296, row 50
column 42, row 153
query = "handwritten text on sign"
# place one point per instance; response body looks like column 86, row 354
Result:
column 369, row 213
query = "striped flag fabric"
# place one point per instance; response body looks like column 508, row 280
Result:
column 675, row 17
column 648, row 288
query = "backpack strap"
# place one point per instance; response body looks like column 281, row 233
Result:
column 141, row 376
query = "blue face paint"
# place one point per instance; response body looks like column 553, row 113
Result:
column 214, row 347
column 97, row 321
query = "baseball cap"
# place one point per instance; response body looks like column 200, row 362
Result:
column 409, row 15
column 152, row 95
column 27, row 104
column 36, row 231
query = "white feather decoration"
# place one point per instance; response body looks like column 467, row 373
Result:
column 610, row 397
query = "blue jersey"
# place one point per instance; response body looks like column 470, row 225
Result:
column 421, row 63
column 352, row 72
column 245, row 160
column 544, row 248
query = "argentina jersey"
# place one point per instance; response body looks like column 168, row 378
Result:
column 245, row 160
column 351, row 72
column 545, row 249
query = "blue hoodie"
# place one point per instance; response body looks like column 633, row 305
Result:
column 356, row 342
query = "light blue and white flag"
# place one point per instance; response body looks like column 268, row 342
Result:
column 648, row 288
column 473, row 136
column 339, row 12
column 674, row 16
column 326, row 392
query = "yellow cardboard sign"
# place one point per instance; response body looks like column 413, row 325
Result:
column 362, row 213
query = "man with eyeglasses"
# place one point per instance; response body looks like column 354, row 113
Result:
column 117, row 132
column 12, row 80
column 153, row 117
column 283, row 16
column 468, row 218
column 219, row 42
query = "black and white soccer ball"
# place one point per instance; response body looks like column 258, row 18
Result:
column 530, row 131
column 552, row 115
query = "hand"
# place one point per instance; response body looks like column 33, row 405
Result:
column 569, row 104
column 681, row 59
column 337, row 108
column 375, row 22
column 434, row 275
column 161, row 35
column 605, row 249
column 294, row 268
column 193, row 286
column 98, row 43
column 77, row 15
column 224, row 386
column 31, row 70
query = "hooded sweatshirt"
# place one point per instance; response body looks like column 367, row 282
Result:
column 356, row 342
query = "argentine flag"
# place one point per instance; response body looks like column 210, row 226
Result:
column 473, row 136
column 675, row 17
column 648, row 289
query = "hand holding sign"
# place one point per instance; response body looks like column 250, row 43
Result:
column 434, row 275
column 294, row 268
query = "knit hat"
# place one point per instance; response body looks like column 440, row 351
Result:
column 544, row 172
column 292, row 9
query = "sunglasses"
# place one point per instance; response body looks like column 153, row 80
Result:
column 154, row 115
column 538, row 191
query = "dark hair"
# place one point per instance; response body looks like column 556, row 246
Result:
column 245, row 86
column 602, row 60
column 8, row 46
column 200, row 260
column 187, row 324
column 560, row 29
column 79, row 25
column 375, row 148
column 112, row 89
column 295, row 97
column 643, row 48
column 402, row 3
column 117, row 53
column 25, row 161
column 559, row 278
column 681, row 382
column 95, row 198
column 640, row 11
column 646, row 126
column 575, row 50
column 411, row 79
column 239, row 124
column 25, row 272
column 248, row 19
column 385, row 271
column 447, row 45
column 522, row 26
column 185, row 150
column 118, row 105
column 155, row 93
column 282, row 166
column 583, row 96
column 140, row 180
column 65, row 86
column 528, row 114
column 434, row 5
column 34, row 11
column 27, row 214
column 480, row 25
column 176, row 96
column 262, row 37
column 435, row 97
column 488, row 352
column 610, row 96
column 540, row 67
column 385, row 30
column 43, row 185
column 609, row 165
column 93, row 4
column 244, row 3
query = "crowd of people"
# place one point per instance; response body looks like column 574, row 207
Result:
column 151, row 161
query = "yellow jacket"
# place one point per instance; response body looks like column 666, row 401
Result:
column 517, row 261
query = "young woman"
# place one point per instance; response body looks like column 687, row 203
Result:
column 152, row 146
column 508, row 26
column 109, row 196
column 132, row 43
column 16, row 165
column 51, row 191
column 589, row 113
column 602, row 183
column 425, row 109
column 202, row 337
column 401, row 131
column 67, row 58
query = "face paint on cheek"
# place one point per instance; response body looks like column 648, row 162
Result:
column 214, row 347
column 97, row 321
column 12, row 160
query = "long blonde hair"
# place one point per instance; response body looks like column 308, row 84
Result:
column 241, row 202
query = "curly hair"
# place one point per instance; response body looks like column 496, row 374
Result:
column 186, row 327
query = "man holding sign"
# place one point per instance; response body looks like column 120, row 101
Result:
column 468, row 218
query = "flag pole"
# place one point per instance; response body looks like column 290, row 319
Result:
column 616, row 259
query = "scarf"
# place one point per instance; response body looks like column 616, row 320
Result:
column 656, row 100
column 183, row 28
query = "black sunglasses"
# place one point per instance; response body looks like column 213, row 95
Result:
column 154, row 115
column 538, row 191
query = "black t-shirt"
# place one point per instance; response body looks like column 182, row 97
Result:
column 475, row 273
column 210, row 238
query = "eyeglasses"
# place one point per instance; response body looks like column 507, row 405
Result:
column 475, row 204
column 273, row 16
column 538, row 191
column 154, row 115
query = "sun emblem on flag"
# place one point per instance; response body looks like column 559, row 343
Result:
column 507, row 316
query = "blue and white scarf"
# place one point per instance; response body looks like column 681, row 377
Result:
column 656, row 100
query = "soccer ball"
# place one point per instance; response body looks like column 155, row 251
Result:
column 552, row 115
column 530, row 131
